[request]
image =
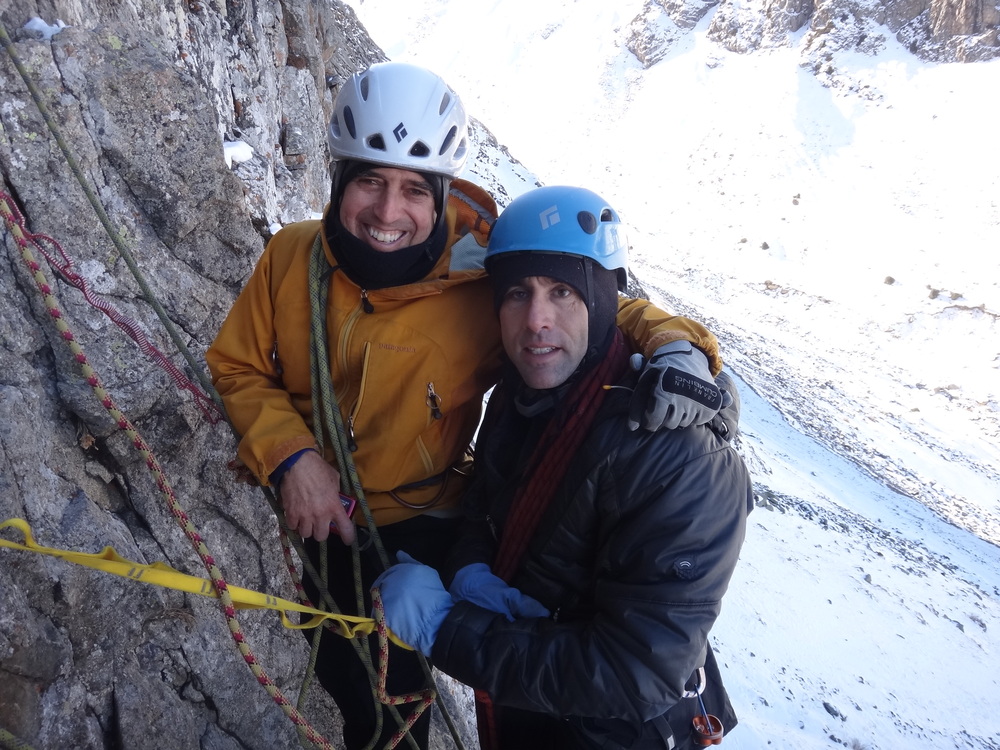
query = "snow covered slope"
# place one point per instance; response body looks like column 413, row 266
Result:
column 840, row 237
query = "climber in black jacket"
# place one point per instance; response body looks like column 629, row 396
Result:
column 594, row 559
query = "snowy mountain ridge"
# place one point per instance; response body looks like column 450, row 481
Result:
column 818, row 397
column 934, row 31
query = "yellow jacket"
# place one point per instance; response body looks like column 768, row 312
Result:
column 409, row 374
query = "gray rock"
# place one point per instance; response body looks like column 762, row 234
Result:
column 934, row 30
column 144, row 97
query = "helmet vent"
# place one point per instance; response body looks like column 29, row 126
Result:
column 448, row 140
column 445, row 103
column 364, row 88
column 587, row 221
column 419, row 149
column 608, row 215
column 376, row 142
column 349, row 122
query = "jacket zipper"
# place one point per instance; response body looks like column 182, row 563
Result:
column 276, row 361
column 352, row 444
column 433, row 401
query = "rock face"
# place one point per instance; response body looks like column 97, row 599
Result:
column 934, row 30
column 153, row 102
column 144, row 95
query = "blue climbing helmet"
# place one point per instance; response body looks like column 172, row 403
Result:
column 563, row 221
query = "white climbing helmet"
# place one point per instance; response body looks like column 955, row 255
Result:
column 400, row 115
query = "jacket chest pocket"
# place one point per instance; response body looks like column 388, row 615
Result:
column 398, row 419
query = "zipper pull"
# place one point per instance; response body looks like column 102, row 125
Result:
column 276, row 361
column 366, row 303
column 351, row 443
column 433, row 401
column 493, row 527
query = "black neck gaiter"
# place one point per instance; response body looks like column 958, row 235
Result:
column 370, row 269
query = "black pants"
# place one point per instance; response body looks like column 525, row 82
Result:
column 338, row 668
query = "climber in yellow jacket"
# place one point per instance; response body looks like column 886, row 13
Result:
column 414, row 345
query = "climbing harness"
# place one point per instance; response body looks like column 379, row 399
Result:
column 329, row 428
column 442, row 477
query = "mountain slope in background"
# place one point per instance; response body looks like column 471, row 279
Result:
column 836, row 226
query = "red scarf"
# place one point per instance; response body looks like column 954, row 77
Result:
column 563, row 436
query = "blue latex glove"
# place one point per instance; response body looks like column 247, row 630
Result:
column 675, row 389
column 415, row 602
column 475, row 583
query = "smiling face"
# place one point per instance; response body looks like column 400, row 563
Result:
column 388, row 208
column 543, row 324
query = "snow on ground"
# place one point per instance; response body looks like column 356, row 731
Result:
column 841, row 242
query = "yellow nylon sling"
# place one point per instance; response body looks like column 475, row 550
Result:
column 161, row 574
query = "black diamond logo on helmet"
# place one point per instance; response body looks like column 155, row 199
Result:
column 400, row 132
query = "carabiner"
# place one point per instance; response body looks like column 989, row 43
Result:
column 700, row 685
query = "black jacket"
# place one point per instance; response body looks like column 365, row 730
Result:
column 632, row 557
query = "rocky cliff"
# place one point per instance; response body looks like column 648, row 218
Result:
column 145, row 96
column 196, row 127
column 933, row 30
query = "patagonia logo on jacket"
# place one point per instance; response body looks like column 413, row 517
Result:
column 397, row 348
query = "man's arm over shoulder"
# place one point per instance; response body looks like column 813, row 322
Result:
column 647, row 328
column 471, row 210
